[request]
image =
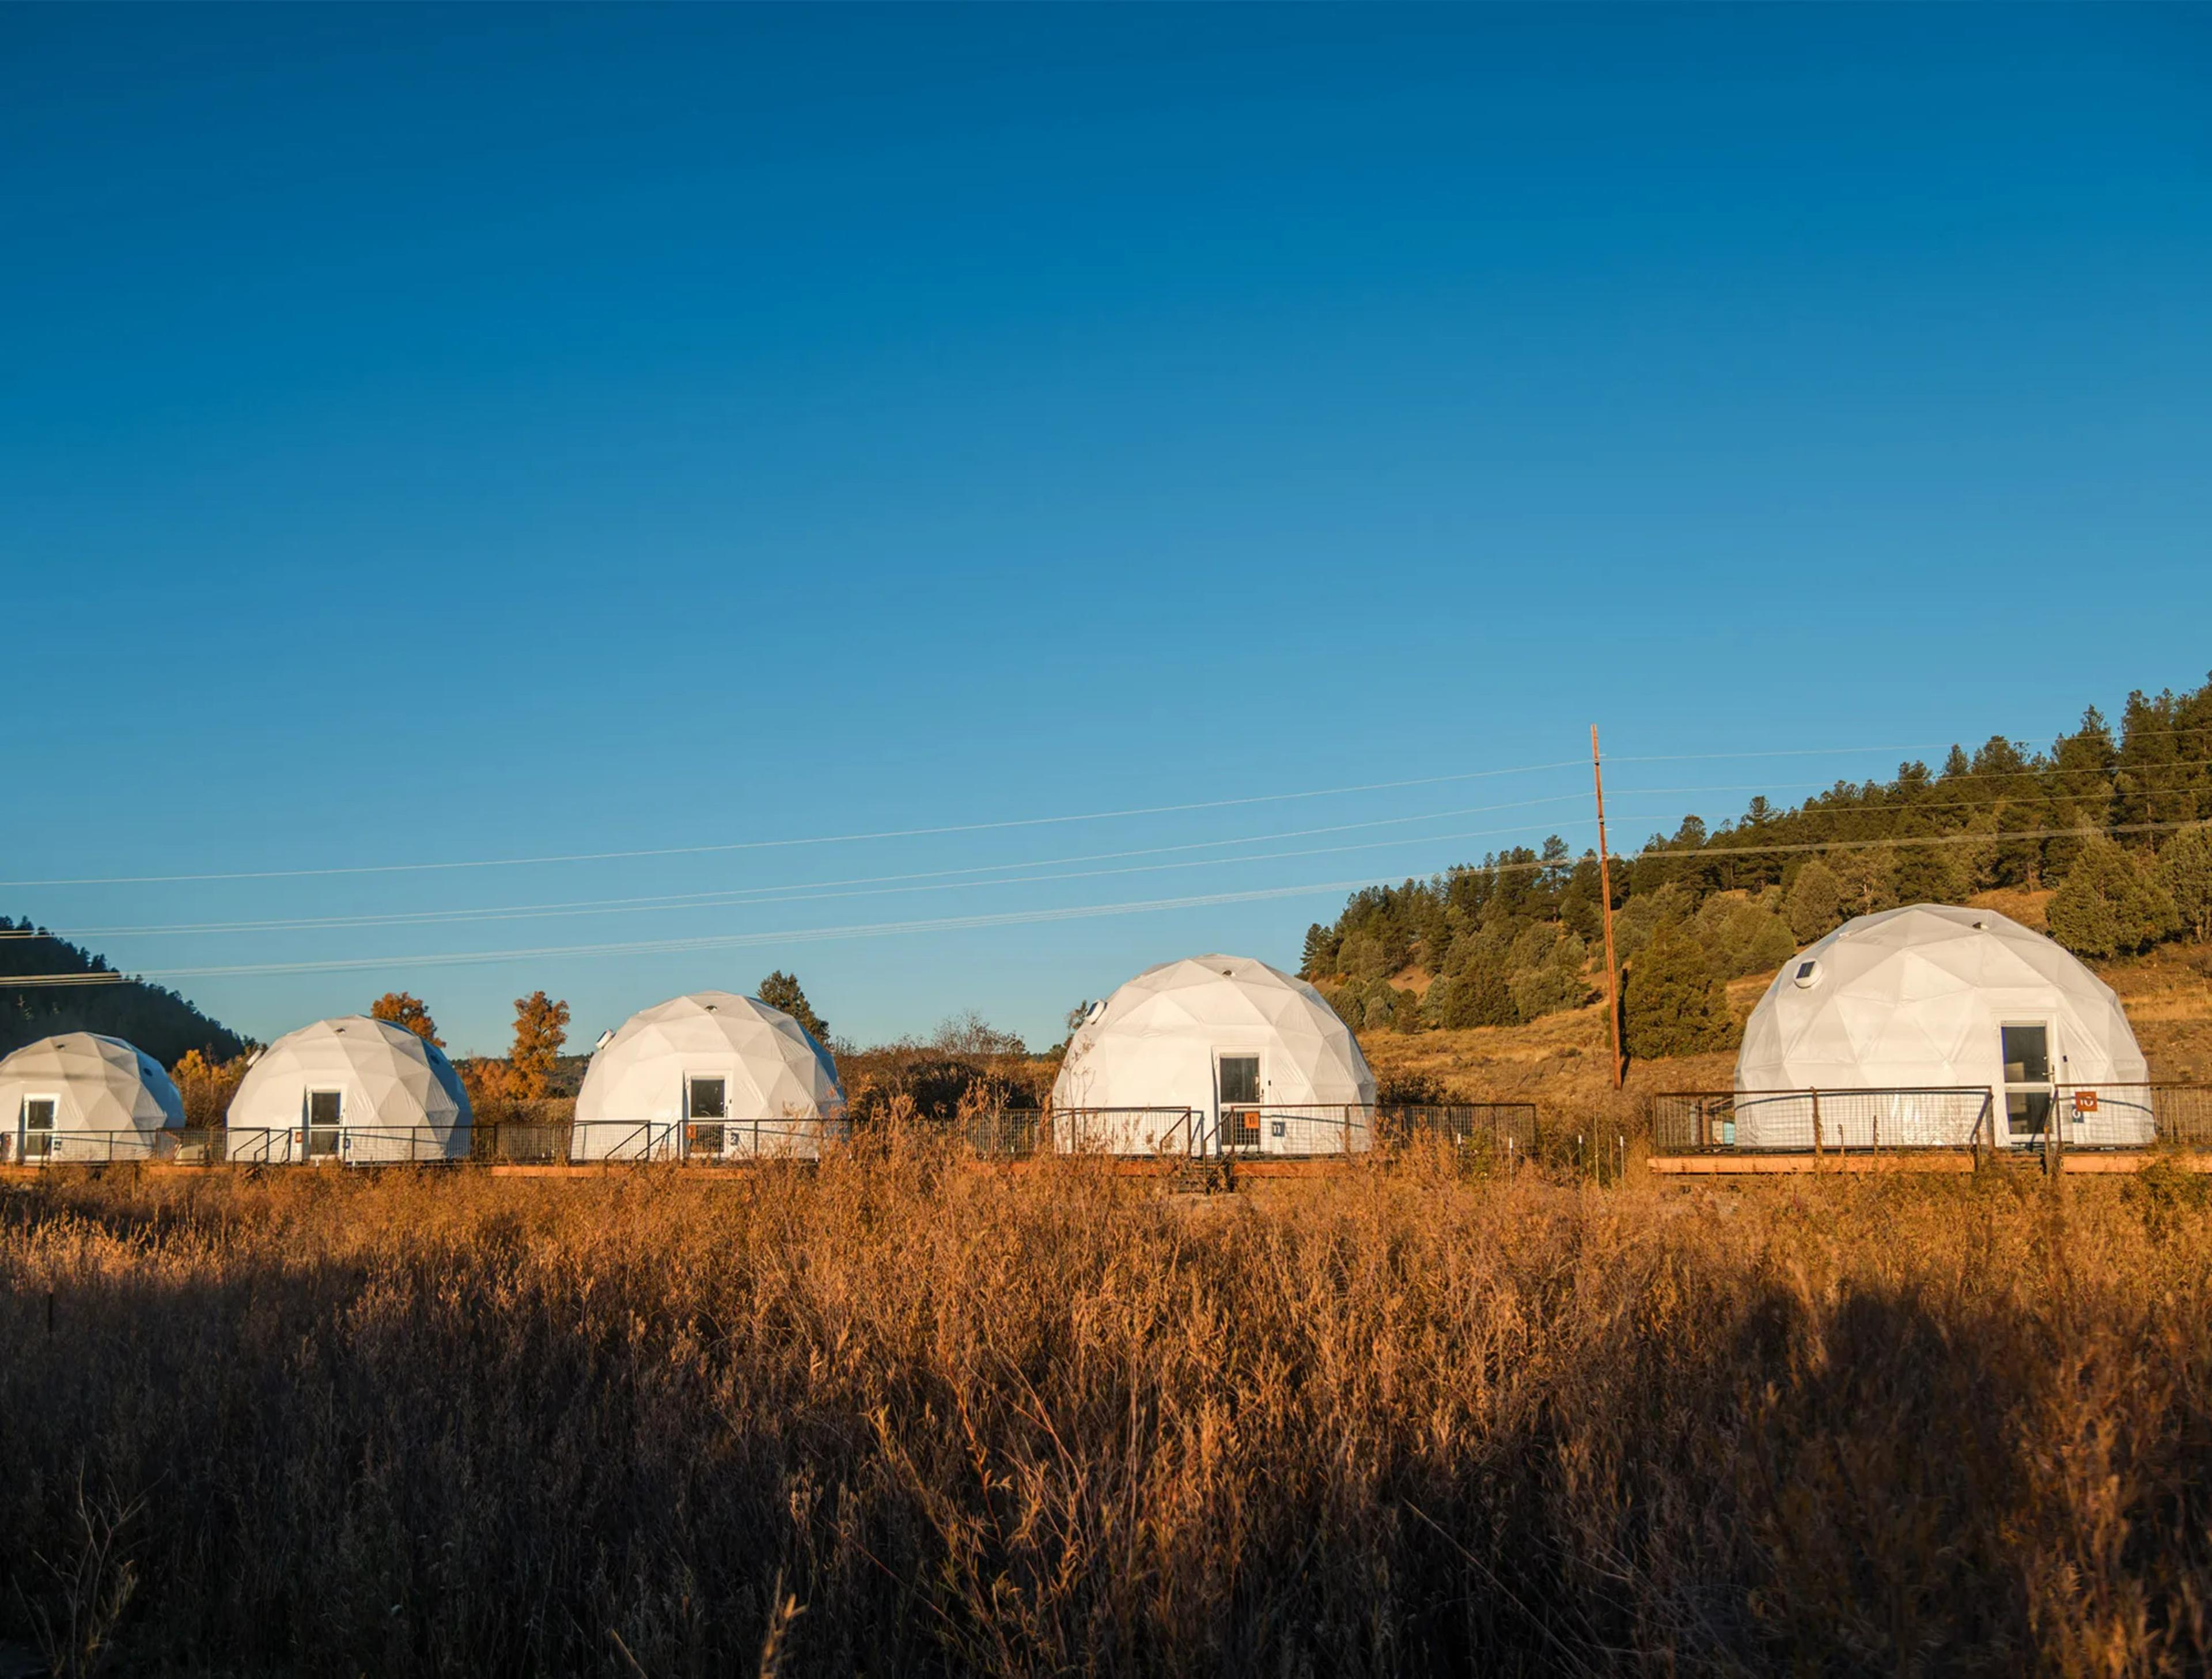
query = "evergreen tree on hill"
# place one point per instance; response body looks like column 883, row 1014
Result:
column 782, row 990
column 1672, row 1005
column 2110, row 905
column 2185, row 869
column 1815, row 905
column 156, row 1019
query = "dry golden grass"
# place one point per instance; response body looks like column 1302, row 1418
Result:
column 893, row 1416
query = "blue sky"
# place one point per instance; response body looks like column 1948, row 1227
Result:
column 457, row 436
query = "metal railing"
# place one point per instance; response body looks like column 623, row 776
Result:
column 1138, row 1131
column 1305, row 1132
column 2133, row 1116
column 72, row 1146
column 1816, row 1121
column 702, row 1141
column 322, row 1144
column 2091, row 1116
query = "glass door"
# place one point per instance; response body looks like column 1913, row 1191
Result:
column 37, row 1126
column 326, row 1119
column 705, row 1109
column 1237, row 1085
column 2028, row 1089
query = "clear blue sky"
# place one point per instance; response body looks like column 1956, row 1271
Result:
column 433, row 436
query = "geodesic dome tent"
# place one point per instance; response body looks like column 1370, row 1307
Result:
column 1891, row 1012
column 711, row 1076
column 79, row 1096
column 1245, row 1047
column 352, row 1090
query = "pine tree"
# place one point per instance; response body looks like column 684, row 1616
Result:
column 2185, row 869
column 2110, row 903
column 1406, row 1014
column 1320, row 956
column 1674, row 1006
column 782, row 991
column 1481, row 994
column 2082, row 919
column 1814, row 906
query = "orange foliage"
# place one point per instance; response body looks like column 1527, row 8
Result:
column 541, row 1027
column 402, row 1009
column 208, row 1085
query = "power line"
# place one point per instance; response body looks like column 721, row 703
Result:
column 906, row 833
column 876, row 885
column 990, row 875
column 777, row 894
column 1023, row 917
column 771, row 844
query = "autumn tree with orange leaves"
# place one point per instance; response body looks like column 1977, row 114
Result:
column 541, row 1027
column 404, row 1009
column 207, row 1086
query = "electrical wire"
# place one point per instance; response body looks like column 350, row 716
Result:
column 1021, row 917
column 771, row 844
column 911, row 833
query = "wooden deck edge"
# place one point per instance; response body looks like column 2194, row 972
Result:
column 2093, row 1164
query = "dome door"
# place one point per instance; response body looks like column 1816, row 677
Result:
column 322, row 1124
column 39, row 1127
column 706, row 1113
column 1237, row 1091
column 2024, row 1046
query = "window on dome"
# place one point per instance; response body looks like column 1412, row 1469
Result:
column 1240, row 1080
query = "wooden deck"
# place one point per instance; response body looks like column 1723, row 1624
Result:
column 1907, row 1160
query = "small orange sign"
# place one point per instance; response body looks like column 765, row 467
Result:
column 2085, row 1101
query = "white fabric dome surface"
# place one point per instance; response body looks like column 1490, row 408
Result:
column 111, row 1100
column 780, row 1094
column 1156, row 1043
column 1918, row 998
column 398, row 1096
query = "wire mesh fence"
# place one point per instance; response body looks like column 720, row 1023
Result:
column 68, row 1146
column 1505, row 1126
column 702, row 1141
column 1124, row 1131
column 2085, row 1116
column 553, row 1138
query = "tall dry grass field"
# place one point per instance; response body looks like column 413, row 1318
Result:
column 895, row 1416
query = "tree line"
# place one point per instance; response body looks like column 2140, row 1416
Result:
column 2116, row 826
column 157, row 1019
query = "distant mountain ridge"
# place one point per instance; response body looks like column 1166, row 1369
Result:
column 157, row 1020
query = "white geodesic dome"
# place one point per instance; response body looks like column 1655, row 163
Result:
column 110, row 1100
column 645, row 1096
column 399, row 1098
column 1919, row 999
column 1158, row 1042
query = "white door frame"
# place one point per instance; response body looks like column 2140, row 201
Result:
column 308, row 1127
column 1258, row 1057
column 2048, row 1084
column 23, row 1123
column 683, row 1138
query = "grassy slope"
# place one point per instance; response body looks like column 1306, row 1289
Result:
column 1560, row 1060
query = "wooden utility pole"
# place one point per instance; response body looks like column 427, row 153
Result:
column 1605, row 901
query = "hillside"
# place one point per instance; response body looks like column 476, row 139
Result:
column 1558, row 1060
column 158, row 1021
